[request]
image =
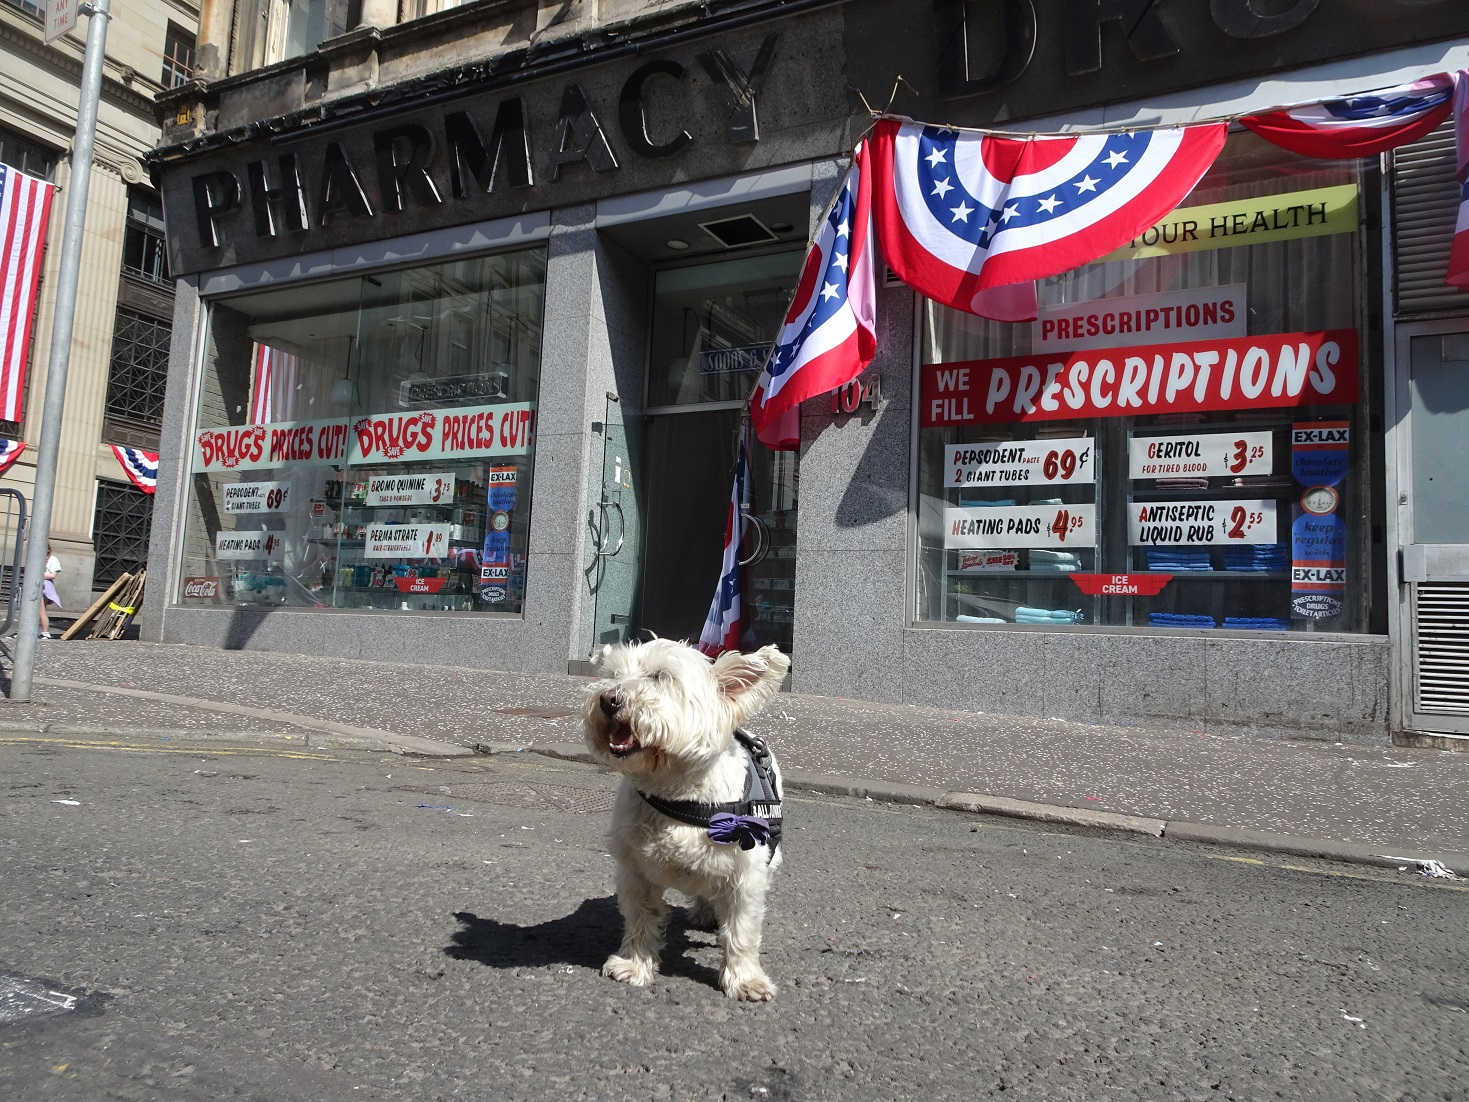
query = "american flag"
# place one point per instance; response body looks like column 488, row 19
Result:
column 959, row 212
column 725, row 623
column 1458, row 275
column 1359, row 126
column 141, row 467
column 830, row 332
column 274, row 379
column 25, row 207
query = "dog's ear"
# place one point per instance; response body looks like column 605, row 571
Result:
column 748, row 680
column 599, row 657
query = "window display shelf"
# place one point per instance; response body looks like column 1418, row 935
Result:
column 1283, row 488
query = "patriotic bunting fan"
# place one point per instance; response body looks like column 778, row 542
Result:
column 1458, row 273
column 9, row 452
column 141, row 467
column 1359, row 126
column 958, row 212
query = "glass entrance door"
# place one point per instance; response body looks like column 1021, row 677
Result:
column 615, row 522
column 1435, row 531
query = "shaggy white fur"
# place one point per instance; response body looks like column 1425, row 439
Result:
column 664, row 716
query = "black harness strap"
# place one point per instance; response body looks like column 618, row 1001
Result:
column 762, row 794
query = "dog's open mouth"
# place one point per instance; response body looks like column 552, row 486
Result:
column 621, row 741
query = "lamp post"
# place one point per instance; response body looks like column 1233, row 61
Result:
column 61, row 326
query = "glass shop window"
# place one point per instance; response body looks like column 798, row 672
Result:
column 368, row 442
column 1184, row 437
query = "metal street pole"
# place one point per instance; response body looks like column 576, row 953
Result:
column 66, row 302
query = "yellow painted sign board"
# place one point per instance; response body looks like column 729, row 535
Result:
column 1283, row 217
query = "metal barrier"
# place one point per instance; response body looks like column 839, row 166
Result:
column 12, row 547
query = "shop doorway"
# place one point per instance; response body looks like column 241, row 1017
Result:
column 1434, row 525
column 668, row 469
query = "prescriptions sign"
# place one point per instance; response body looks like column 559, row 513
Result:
column 1196, row 314
column 1259, row 372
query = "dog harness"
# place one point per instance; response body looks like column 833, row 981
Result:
column 753, row 821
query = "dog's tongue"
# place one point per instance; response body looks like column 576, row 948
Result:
column 622, row 739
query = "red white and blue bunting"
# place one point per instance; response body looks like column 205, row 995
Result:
column 9, row 452
column 141, row 467
column 1358, row 126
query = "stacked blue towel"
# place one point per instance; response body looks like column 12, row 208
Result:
column 1060, row 561
column 975, row 503
column 1260, row 558
column 1024, row 615
column 1180, row 620
column 964, row 618
column 1257, row 623
column 1179, row 559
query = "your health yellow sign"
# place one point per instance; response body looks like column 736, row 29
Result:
column 1283, row 217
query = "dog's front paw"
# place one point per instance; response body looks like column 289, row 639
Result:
column 747, row 986
column 639, row 973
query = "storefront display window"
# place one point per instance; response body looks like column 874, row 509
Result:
column 1183, row 438
column 368, row 442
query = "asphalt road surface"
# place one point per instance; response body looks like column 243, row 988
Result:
column 176, row 923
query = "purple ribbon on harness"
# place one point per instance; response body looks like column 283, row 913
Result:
column 748, row 830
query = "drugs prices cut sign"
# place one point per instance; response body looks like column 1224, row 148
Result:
column 1201, row 523
column 406, row 541
column 1020, row 526
column 464, row 433
column 1021, row 463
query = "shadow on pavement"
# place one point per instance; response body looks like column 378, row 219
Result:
column 583, row 939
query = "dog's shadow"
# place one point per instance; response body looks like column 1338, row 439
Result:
column 582, row 939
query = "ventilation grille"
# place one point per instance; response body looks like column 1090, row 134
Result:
column 1441, row 648
column 739, row 231
column 1425, row 200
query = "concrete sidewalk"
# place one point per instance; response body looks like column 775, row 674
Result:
column 1347, row 801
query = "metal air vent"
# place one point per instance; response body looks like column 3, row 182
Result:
column 1425, row 199
column 1441, row 648
column 739, row 231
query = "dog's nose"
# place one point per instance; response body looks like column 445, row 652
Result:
column 611, row 703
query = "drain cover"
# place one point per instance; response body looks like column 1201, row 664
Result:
column 23, row 998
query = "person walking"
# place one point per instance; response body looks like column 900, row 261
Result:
column 48, row 590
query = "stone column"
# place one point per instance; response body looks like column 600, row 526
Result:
column 377, row 13
column 212, row 45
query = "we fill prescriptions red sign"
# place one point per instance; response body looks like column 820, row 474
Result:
column 1261, row 372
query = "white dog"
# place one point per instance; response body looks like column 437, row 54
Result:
column 698, row 811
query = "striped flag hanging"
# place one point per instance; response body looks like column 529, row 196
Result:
column 725, row 623
column 830, row 333
column 25, row 207
column 274, row 379
column 1458, row 274
column 141, row 467
column 9, row 452
column 1358, row 126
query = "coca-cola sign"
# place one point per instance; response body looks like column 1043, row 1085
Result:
column 201, row 589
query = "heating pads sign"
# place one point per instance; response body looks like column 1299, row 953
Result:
column 249, row 546
column 1021, row 463
column 1211, row 455
column 1201, row 523
column 1320, row 453
column 999, row 526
